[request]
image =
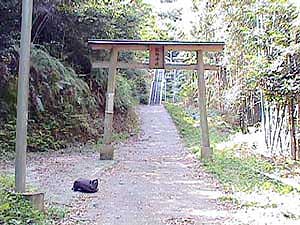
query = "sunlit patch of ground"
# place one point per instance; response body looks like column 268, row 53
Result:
column 265, row 206
column 264, row 189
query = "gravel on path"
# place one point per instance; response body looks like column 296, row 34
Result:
column 157, row 181
column 154, row 180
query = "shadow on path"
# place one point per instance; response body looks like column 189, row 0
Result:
column 157, row 181
column 153, row 181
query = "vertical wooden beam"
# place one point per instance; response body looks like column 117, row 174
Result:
column 206, row 151
column 23, row 92
column 107, row 152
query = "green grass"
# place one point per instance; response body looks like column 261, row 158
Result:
column 16, row 210
column 189, row 131
column 243, row 174
column 235, row 201
column 235, row 173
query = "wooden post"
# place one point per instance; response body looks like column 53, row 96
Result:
column 206, row 151
column 107, row 151
column 23, row 92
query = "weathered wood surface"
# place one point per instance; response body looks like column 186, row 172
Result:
column 206, row 151
column 156, row 61
column 145, row 45
column 139, row 65
column 107, row 150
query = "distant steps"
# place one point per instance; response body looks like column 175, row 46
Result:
column 157, row 88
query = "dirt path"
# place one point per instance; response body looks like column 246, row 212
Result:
column 156, row 181
column 153, row 181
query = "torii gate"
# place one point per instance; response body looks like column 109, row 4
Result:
column 157, row 51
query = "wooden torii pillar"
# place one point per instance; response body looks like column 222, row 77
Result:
column 157, row 51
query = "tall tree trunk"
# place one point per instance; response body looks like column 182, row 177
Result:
column 298, row 130
column 263, row 117
column 276, row 126
column 283, row 114
column 292, row 128
column 242, row 113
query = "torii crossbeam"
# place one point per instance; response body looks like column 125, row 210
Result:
column 157, row 52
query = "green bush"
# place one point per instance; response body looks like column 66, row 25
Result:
column 55, row 87
column 141, row 89
column 14, row 209
column 124, row 94
column 235, row 173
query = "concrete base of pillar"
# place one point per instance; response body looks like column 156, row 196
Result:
column 36, row 199
column 107, row 152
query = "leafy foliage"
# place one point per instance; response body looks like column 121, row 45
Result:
column 282, row 78
column 260, row 63
column 256, row 34
column 235, row 173
column 186, row 121
column 14, row 209
column 67, row 98
column 56, row 92
column 52, row 80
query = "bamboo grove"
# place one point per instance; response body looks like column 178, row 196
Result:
column 259, row 82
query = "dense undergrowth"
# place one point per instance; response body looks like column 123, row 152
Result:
column 236, row 173
column 63, row 108
column 16, row 210
column 67, row 96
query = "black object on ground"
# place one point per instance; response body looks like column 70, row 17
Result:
column 85, row 185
